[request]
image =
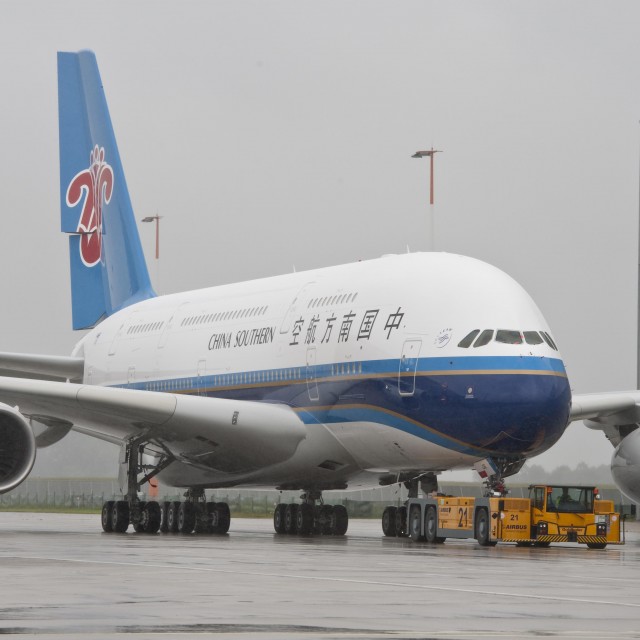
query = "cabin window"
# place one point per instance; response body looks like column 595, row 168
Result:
column 465, row 343
column 549, row 340
column 532, row 337
column 508, row 336
column 484, row 338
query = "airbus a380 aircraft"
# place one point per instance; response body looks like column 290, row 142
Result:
column 382, row 371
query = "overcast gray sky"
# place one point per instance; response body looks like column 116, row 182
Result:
column 272, row 134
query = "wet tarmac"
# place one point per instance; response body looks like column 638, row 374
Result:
column 61, row 577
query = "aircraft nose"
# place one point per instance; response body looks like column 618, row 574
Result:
column 506, row 414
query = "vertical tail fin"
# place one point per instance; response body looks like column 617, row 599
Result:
column 108, row 270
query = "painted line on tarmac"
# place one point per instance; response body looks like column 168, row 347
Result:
column 288, row 576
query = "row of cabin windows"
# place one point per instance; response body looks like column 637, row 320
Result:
column 224, row 315
column 347, row 368
column 479, row 338
column 227, row 380
column 144, row 328
column 345, row 298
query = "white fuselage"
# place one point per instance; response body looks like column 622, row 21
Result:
column 367, row 354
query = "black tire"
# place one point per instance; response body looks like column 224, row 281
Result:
column 340, row 520
column 278, row 518
column 151, row 517
column 389, row 522
column 186, row 517
column 203, row 514
column 596, row 545
column 304, row 519
column 220, row 518
column 140, row 526
column 206, row 518
column 107, row 516
column 325, row 520
column 542, row 545
column 164, row 517
column 172, row 517
column 415, row 523
column 483, row 529
column 401, row 522
column 120, row 516
column 524, row 543
column 290, row 519
column 431, row 525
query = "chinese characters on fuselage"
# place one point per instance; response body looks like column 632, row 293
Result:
column 346, row 324
column 313, row 330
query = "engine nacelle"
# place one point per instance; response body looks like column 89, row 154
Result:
column 625, row 465
column 17, row 448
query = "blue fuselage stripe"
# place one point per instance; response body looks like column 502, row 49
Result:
column 476, row 405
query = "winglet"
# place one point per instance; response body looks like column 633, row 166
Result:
column 108, row 270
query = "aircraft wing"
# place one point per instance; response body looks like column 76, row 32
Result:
column 63, row 367
column 614, row 413
column 226, row 435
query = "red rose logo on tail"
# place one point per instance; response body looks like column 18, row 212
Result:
column 96, row 184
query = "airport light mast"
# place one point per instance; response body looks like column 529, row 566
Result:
column 430, row 153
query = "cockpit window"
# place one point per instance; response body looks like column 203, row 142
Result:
column 468, row 339
column 483, row 338
column 508, row 336
column 532, row 337
column 549, row 340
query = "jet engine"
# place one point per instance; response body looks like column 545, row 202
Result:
column 625, row 465
column 17, row 448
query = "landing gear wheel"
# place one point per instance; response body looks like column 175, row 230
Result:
column 204, row 517
column 340, row 520
column 151, row 517
column 186, row 517
column 325, row 517
column 107, row 521
column 138, row 527
column 415, row 524
column 304, row 519
column 389, row 522
column 290, row 519
column 120, row 516
column 278, row 518
column 220, row 518
column 164, row 517
column 172, row 517
column 431, row 526
column 401, row 522
column 482, row 529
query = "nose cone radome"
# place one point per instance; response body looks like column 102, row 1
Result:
column 625, row 466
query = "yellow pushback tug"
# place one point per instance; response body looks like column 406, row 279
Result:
column 551, row 514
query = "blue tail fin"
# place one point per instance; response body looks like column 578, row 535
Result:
column 108, row 270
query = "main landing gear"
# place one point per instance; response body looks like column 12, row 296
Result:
column 194, row 514
column 394, row 519
column 310, row 518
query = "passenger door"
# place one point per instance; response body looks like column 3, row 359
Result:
column 408, row 365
